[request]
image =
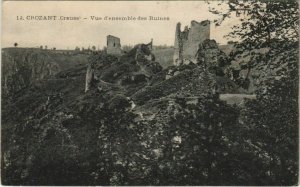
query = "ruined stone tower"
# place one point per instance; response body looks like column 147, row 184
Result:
column 177, row 58
column 187, row 41
column 113, row 45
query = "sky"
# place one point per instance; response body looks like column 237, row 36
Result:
column 86, row 32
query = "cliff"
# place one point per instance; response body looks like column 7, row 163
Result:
column 21, row 67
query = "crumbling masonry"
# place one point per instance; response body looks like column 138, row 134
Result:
column 187, row 41
column 113, row 45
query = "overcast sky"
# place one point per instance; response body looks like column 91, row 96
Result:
column 85, row 32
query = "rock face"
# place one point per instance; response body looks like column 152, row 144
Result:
column 211, row 57
column 146, row 59
column 187, row 41
column 23, row 67
column 186, row 81
column 130, row 71
column 113, row 45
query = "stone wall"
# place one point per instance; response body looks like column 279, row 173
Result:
column 113, row 45
column 187, row 41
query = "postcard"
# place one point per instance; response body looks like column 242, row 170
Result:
column 150, row 93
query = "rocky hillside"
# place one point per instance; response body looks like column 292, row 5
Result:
column 24, row 66
column 106, row 120
column 57, row 124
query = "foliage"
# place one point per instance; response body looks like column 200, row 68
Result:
column 263, row 25
column 270, row 122
column 263, row 21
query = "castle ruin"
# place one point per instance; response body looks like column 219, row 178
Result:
column 113, row 45
column 187, row 41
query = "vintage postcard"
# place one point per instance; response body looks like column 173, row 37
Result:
column 151, row 93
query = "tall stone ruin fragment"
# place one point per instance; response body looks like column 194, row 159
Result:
column 113, row 45
column 89, row 78
column 187, row 41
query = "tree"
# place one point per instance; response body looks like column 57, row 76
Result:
column 265, row 24
column 263, row 21
column 272, row 123
column 269, row 41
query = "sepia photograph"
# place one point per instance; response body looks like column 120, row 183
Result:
column 150, row 93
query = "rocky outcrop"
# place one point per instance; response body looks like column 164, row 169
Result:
column 211, row 57
column 20, row 68
column 185, row 81
column 135, row 67
column 145, row 59
column 23, row 67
